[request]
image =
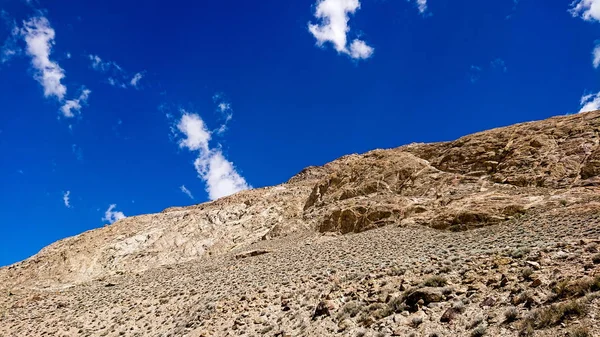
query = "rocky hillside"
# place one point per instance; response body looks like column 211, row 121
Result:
column 496, row 233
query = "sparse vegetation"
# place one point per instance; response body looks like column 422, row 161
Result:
column 577, row 288
column 555, row 314
column 478, row 320
column 525, row 297
column 580, row 331
column 520, row 253
column 458, row 306
column 526, row 273
column 479, row 331
column 511, row 314
column 350, row 309
column 416, row 321
column 447, row 291
column 379, row 310
column 527, row 328
column 435, row 281
column 361, row 333
column 396, row 304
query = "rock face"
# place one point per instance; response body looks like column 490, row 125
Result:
column 475, row 213
column 175, row 235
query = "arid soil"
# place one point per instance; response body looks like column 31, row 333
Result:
column 494, row 234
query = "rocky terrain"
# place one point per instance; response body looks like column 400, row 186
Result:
column 494, row 234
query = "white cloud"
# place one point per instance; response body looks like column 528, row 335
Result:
column 196, row 134
column 9, row 48
column 116, row 83
column 225, row 110
column 219, row 174
column 596, row 55
column 117, row 76
column 334, row 16
column 97, row 63
column 111, row 216
column 136, row 78
column 474, row 73
column 70, row 107
column 590, row 102
column 360, row 50
column 588, row 10
column 66, row 199
column 7, row 52
column 39, row 37
column 39, row 40
column 499, row 64
column 422, row 5
column 101, row 65
column 186, row 191
column 77, row 151
column 224, row 107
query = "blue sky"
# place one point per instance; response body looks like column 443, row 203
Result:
column 111, row 103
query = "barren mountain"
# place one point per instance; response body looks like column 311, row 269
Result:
column 496, row 233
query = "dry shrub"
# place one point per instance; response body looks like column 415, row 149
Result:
column 553, row 315
column 435, row 281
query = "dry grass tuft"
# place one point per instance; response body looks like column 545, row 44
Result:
column 435, row 281
column 553, row 315
column 511, row 314
column 580, row 331
column 578, row 288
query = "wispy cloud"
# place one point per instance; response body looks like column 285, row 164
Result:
column 474, row 73
column 8, row 51
column 596, row 55
column 73, row 106
column 588, row 10
column 98, row 64
column 186, row 191
column 590, row 102
column 9, row 48
column 66, row 199
column 39, row 37
column 219, row 174
column 514, row 9
column 225, row 111
column 360, row 50
column 422, row 6
column 111, row 215
column 499, row 64
column 333, row 27
column 117, row 76
column 77, row 152
column 136, row 79
column 196, row 134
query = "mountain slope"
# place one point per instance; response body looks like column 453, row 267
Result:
column 475, row 213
